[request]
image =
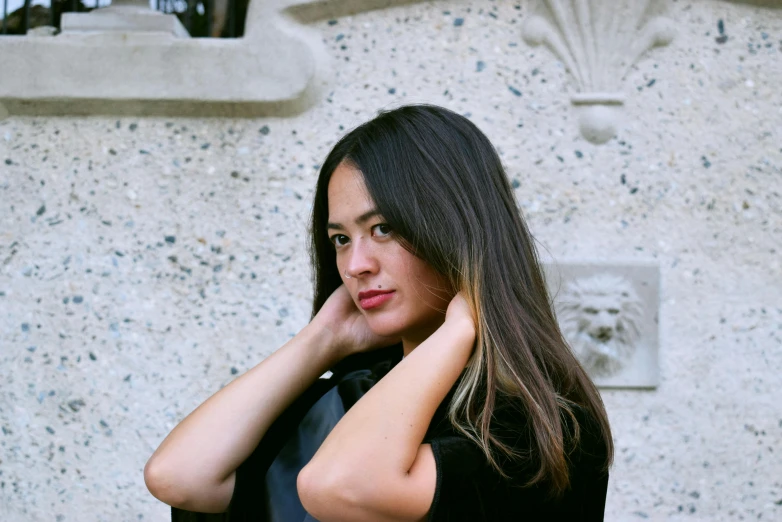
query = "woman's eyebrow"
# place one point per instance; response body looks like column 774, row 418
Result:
column 360, row 220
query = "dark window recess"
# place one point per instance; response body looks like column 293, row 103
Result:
column 201, row 18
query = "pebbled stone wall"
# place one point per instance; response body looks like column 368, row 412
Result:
column 146, row 262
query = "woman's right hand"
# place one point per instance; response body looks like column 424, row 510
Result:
column 351, row 333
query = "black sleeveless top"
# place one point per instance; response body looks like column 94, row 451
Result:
column 468, row 489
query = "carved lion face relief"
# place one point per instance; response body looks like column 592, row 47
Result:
column 600, row 317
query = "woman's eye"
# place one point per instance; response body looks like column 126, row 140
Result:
column 336, row 239
column 379, row 230
column 383, row 229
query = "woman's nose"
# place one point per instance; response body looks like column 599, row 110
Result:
column 361, row 259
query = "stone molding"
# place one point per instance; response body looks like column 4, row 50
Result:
column 275, row 69
column 598, row 42
column 145, row 68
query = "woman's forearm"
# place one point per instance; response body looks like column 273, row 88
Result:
column 381, row 434
column 194, row 467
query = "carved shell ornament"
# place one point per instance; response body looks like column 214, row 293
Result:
column 598, row 41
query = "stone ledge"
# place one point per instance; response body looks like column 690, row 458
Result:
column 273, row 70
column 123, row 18
column 278, row 68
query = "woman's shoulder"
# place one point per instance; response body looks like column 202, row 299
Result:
column 472, row 489
column 584, row 442
column 580, row 427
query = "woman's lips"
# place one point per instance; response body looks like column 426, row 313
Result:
column 375, row 300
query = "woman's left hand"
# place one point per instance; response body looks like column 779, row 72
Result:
column 460, row 311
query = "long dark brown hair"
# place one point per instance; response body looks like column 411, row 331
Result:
column 440, row 185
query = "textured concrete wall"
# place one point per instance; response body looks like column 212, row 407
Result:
column 145, row 262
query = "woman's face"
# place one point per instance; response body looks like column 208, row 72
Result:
column 415, row 297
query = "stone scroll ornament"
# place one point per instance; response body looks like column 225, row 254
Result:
column 598, row 41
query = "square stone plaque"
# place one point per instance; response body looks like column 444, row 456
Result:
column 609, row 314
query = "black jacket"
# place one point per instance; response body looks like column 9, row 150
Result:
column 468, row 489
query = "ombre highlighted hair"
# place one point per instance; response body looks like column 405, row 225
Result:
column 440, row 185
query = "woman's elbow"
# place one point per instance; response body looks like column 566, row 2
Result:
column 310, row 490
column 163, row 485
column 174, row 489
column 324, row 496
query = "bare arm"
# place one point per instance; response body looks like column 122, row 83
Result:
column 373, row 465
column 195, row 466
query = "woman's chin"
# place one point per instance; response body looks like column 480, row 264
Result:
column 386, row 329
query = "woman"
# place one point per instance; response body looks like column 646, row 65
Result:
column 476, row 408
